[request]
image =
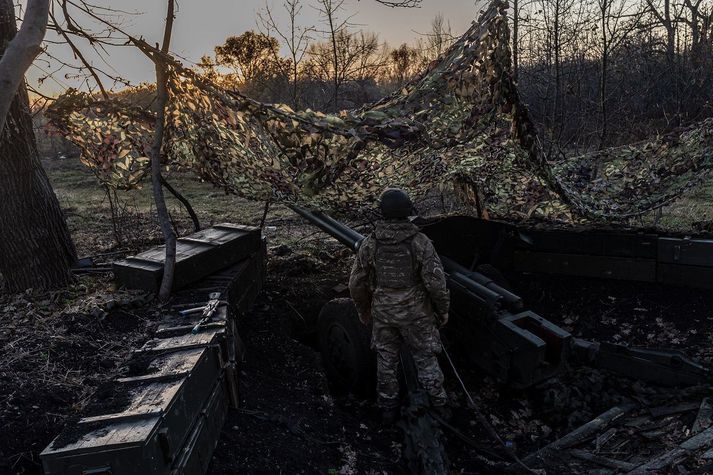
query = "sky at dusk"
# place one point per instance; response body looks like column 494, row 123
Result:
column 202, row 24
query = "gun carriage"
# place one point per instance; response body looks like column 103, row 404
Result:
column 492, row 326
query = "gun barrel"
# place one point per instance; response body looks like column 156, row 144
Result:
column 509, row 299
column 341, row 232
column 474, row 289
column 476, row 283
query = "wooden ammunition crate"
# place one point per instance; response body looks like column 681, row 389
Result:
column 164, row 416
column 197, row 256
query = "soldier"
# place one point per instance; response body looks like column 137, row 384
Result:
column 398, row 281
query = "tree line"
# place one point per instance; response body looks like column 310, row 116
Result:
column 594, row 73
column 328, row 67
column 599, row 73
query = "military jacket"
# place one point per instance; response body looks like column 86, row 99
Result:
column 397, row 275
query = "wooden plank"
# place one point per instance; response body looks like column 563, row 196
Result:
column 602, row 439
column 662, row 411
column 704, row 418
column 129, row 432
column 660, row 462
column 120, row 417
column 687, row 275
column 145, row 399
column 603, row 461
column 686, row 251
column 700, row 440
column 695, row 443
column 164, row 331
column 180, row 342
column 174, row 364
column 581, row 433
column 593, row 243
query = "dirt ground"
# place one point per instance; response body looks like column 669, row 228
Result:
column 307, row 429
column 59, row 347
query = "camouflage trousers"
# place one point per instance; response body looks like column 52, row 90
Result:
column 423, row 339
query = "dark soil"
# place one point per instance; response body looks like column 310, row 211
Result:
column 290, row 422
column 57, row 350
column 57, row 354
column 631, row 313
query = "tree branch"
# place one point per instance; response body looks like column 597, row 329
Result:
column 185, row 202
column 22, row 50
column 77, row 52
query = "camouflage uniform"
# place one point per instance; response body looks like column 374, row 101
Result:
column 398, row 279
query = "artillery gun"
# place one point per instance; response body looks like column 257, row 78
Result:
column 493, row 328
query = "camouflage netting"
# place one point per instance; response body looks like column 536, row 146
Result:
column 458, row 127
column 626, row 181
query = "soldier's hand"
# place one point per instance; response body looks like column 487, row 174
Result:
column 442, row 320
column 365, row 318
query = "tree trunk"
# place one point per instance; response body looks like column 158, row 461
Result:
column 670, row 32
column 604, row 74
column 336, row 70
column 163, row 217
column 36, row 249
column 19, row 49
column 558, row 73
column 515, row 38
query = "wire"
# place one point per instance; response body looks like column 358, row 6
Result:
column 479, row 415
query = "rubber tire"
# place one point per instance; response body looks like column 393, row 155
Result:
column 345, row 344
column 494, row 274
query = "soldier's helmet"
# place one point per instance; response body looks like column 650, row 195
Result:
column 395, row 203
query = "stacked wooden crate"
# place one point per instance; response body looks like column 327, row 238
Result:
column 165, row 414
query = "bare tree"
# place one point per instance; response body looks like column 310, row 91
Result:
column 700, row 21
column 515, row 37
column 336, row 29
column 437, row 40
column 295, row 37
column 403, row 63
column 560, row 30
column 666, row 15
column 348, row 58
column 616, row 22
column 440, row 37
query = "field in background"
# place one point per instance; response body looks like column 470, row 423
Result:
column 89, row 212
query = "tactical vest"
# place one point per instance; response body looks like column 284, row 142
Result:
column 395, row 265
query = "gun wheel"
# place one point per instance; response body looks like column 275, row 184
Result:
column 345, row 346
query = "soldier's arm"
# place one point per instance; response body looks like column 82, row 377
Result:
column 433, row 276
column 360, row 282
